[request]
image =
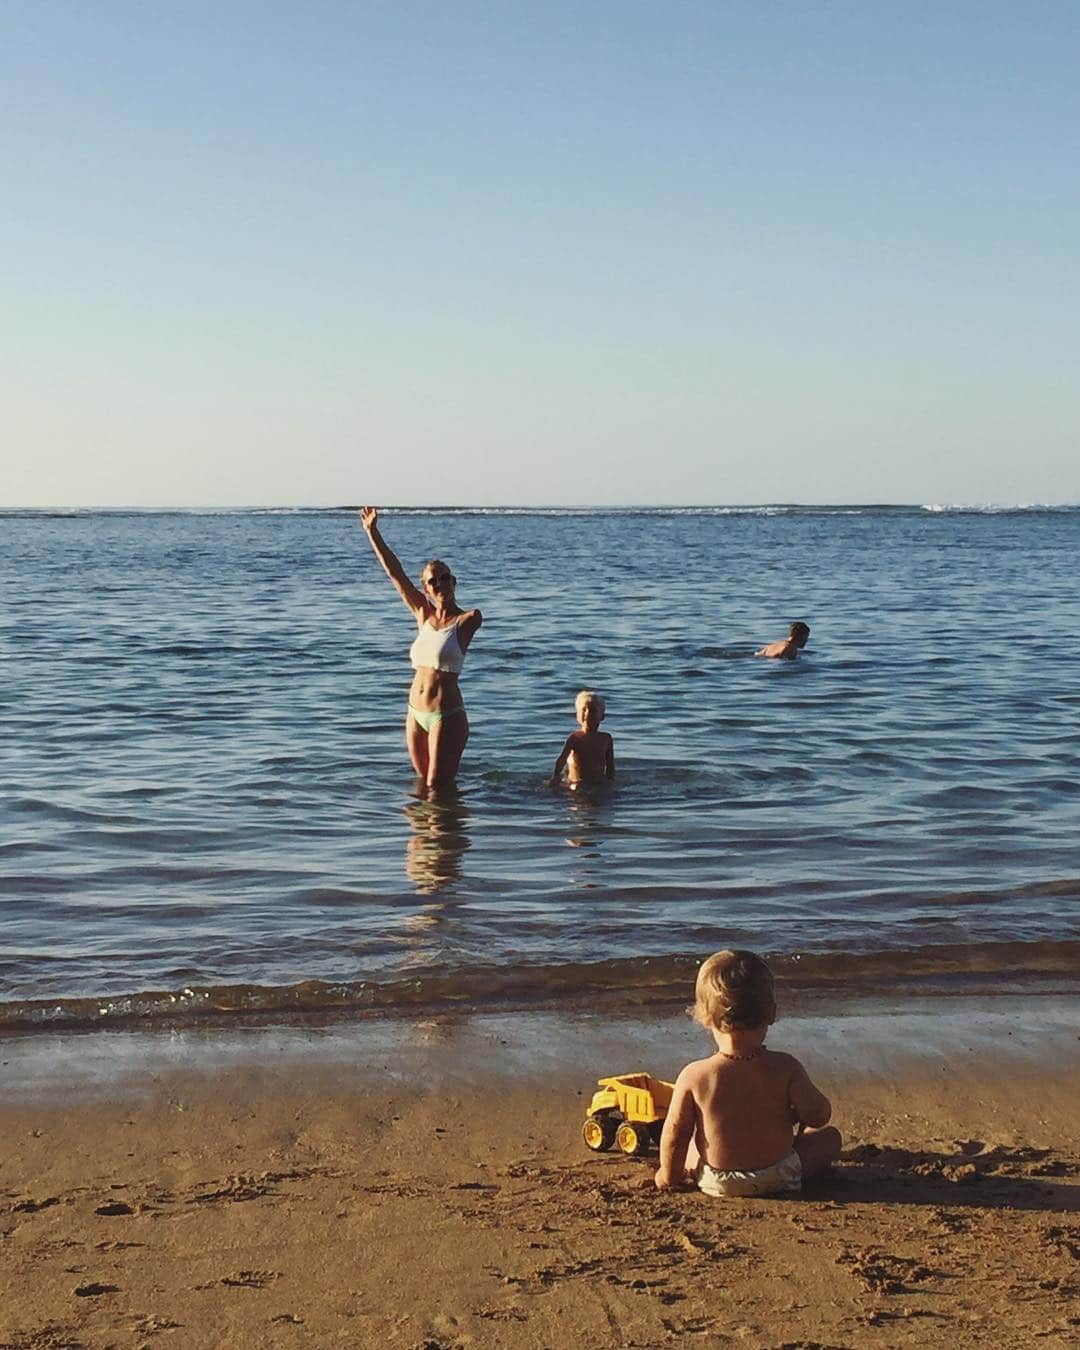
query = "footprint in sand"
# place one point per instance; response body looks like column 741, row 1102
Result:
column 251, row 1279
column 151, row 1323
column 29, row 1206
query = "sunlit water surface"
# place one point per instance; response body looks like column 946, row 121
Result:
column 205, row 787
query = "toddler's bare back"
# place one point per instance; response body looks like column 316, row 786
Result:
column 743, row 1108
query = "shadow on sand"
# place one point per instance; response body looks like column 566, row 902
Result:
column 975, row 1175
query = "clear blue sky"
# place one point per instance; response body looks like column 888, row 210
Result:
column 603, row 252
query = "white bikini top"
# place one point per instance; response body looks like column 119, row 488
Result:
column 437, row 648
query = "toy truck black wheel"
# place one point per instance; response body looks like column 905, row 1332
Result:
column 599, row 1132
column 632, row 1138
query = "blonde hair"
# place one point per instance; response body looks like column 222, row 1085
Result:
column 734, row 992
column 589, row 696
column 438, row 564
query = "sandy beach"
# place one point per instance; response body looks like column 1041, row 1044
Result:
column 424, row 1185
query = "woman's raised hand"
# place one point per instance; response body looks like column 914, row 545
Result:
column 369, row 515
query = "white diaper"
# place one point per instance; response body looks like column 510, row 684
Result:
column 785, row 1175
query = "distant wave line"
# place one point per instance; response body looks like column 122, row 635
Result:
column 761, row 509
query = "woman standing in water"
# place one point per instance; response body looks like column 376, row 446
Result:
column 437, row 726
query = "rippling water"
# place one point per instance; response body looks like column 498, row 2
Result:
column 205, row 786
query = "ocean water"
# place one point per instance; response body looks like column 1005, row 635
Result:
column 206, row 808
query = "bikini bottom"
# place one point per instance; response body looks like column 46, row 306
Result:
column 427, row 720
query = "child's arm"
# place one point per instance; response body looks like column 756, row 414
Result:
column 808, row 1105
column 675, row 1140
column 609, row 759
column 560, row 763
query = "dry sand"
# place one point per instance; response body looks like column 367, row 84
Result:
column 327, row 1203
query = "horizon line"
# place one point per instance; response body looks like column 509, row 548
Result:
column 550, row 506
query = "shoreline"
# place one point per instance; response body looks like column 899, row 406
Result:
column 643, row 986
column 853, row 1036
column 424, row 1185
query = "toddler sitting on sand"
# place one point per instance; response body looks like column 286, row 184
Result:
column 731, row 1127
column 589, row 752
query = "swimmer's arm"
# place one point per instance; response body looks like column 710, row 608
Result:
column 609, row 759
column 675, row 1140
column 560, row 763
column 809, row 1106
column 391, row 566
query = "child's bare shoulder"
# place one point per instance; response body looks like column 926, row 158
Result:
column 781, row 1062
column 697, row 1071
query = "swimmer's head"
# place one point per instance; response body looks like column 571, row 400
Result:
column 734, row 992
column 799, row 632
column 590, row 709
column 437, row 579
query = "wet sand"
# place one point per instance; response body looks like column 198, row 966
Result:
column 424, row 1185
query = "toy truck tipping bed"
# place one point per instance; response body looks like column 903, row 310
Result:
column 627, row 1111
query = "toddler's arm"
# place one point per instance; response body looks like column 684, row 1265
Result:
column 675, row 1140
column 809, row 1106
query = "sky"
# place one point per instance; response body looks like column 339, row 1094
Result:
column 606, row 252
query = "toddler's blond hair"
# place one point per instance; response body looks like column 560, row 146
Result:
column 589, row 696
column 734, row 992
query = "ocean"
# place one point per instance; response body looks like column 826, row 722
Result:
column 207, row 811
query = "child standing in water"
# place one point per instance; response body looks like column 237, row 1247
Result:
column 787, row 649
column 589, row 753
column 747, row 1120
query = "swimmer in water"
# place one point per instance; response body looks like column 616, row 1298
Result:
column 589, row 754
column 787, row 649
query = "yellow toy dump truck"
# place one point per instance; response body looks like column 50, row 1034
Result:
column 628, row 1111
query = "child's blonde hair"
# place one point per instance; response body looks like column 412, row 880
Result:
column 734, row 992
column 589, row 696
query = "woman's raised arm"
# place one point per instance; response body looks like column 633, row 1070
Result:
column 413, row 597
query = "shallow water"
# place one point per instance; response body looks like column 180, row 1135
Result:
column 205, row 785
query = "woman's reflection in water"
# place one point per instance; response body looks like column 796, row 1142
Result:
column 439, row 820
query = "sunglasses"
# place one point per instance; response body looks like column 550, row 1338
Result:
column 437, row 579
